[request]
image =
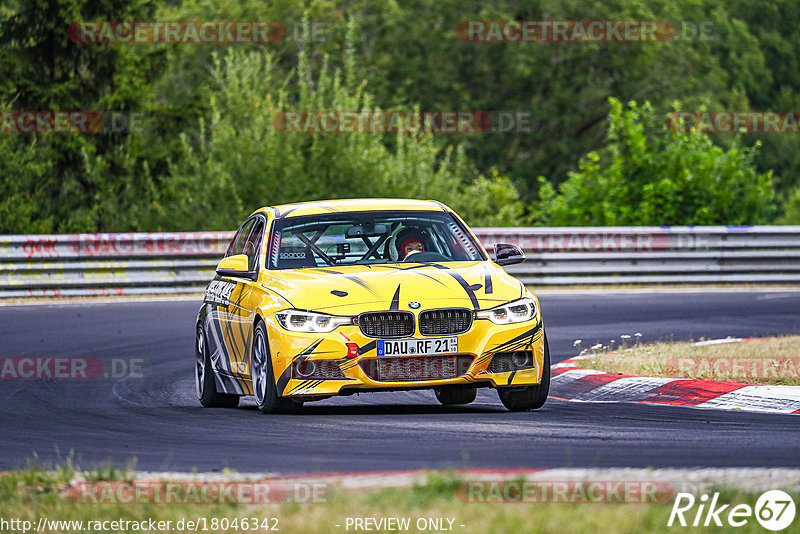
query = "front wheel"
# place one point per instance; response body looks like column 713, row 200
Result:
column 531, row 397
column 265, row 388
column 205, row 387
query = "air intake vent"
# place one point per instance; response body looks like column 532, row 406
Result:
column 445, row 322
column 411, row 369
column 386, row 324
column 506, row 362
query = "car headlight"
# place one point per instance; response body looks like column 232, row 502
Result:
column 303, row 321
column 516, row 311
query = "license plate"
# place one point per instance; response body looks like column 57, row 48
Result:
column 417, row 347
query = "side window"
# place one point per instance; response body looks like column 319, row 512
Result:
column 252, row 245
column 239, row 241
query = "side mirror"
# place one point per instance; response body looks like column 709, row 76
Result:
column 506, row 254
column 236, row 267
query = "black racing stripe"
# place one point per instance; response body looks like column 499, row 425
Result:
column 238, row 312
column 395, row 305
column 413, row 267
column 285, row 213
column 487, row 281
column 283, row 381
column 302, row 385
column 363, row 284
column 229, row 330
column 344, row 366
column 351, row 277
column 520, row 341
column 484, row 358
column 308, row 350
column 368, row 347
column 511, row 377
column 306, row 384
column 248, row 344
column 325, row 270
column 218, row 329
column 294, row 388
column 460, row 279
column 225, row 348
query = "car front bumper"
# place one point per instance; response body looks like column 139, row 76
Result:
column 476, row 347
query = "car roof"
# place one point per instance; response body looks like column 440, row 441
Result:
column 353, row 204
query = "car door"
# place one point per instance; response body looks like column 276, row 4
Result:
column 232, row 317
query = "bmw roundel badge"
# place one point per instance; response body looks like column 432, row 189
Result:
column 414, row 304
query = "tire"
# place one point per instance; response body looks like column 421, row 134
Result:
column 205, row 386
column 451, row 396
column 265, row 389
column 530, row 397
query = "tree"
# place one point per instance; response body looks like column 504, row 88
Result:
column 44, row 70
column 239, row 159
column 791, row 208
column 649, row 174
column 19, row 168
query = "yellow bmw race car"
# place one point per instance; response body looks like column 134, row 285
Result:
column 339, row 297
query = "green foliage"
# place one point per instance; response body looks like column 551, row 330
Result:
column 240, row 160
column 19, row 167
column 650, row 175
column 72, row 183
column 791, row 209
column 210, row 153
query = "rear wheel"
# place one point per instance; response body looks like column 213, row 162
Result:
column 265, row 388
column 205, row 385
column 450, row 396
column 522, row 399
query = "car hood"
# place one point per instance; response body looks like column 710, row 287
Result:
column 352, row 289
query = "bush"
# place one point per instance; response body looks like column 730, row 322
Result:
column 649, row 174
column 239, row 160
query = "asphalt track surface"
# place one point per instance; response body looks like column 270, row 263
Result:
column 157, row 421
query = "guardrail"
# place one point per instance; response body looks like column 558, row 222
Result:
column 157, row 263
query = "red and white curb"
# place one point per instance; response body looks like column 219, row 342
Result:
column 572, row 383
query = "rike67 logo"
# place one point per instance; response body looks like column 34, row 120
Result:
column 774, row 510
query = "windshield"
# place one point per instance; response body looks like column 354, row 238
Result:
column 368, row 238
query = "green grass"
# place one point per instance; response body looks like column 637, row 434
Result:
column 774, row 361
column 35, row 493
